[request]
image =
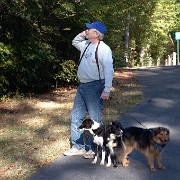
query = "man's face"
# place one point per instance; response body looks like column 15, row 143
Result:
column 91, row 34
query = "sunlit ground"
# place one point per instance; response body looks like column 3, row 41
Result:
column 34, row 132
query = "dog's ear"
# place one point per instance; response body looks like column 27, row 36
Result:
column 87, row 119
column 159, row 129
column 156, row 130
column 168, row 131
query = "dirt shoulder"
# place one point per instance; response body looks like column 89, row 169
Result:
column 34, row 131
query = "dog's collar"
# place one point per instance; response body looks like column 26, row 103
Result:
column 158, row 147
column 151, row 130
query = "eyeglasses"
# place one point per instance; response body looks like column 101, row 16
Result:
column 92, row 30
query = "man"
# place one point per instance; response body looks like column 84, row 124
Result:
column 95, row 73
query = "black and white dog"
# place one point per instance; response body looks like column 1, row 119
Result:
column 107, row 136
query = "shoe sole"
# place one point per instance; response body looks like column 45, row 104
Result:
column 78, row 154
column 89, row 157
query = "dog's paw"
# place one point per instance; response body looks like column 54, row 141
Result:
column 125, row 164
column 94, row 162
column 102, row 163
column 127, row 161
column 153, row 169
column 115, row 166
column 108, row 164
column 162, row 167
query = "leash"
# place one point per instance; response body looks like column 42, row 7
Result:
column 136, row 120
column 104, row 109
column 157, row 146
column 106, row 124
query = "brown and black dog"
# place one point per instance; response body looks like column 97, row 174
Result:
column 148, row 141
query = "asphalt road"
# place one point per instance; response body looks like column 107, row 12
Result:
column 161, row 107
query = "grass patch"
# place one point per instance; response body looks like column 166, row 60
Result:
column 35, row 131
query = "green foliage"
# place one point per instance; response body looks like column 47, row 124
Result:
column 35, row 37
column 37, row 62
column 6, row 65
column 163, row 21
column 66, row 72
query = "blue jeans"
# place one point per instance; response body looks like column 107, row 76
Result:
column 87, row 100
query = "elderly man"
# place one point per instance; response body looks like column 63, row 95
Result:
column 95, row 73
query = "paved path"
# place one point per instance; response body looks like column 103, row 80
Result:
column 161, row 107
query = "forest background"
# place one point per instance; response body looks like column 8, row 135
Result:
column 36, row 53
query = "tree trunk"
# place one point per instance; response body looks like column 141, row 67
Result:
column 126, row 39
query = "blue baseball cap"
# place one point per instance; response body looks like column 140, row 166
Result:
column 97, row 25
